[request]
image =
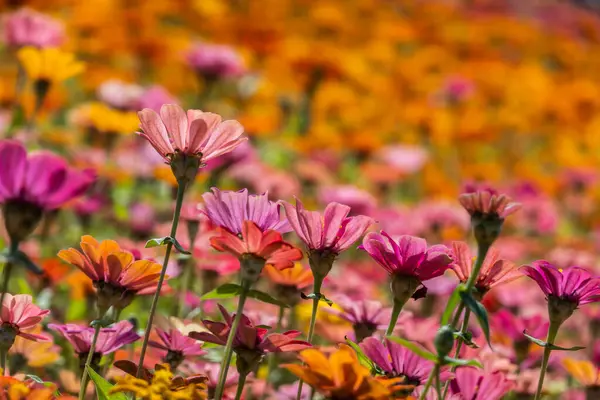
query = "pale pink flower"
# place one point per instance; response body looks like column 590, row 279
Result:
column 27, row 27
column 215, row 61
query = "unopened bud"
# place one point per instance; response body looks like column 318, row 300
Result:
column 444, row 341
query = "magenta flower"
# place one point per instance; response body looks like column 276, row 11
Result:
column 251, row 343
column 366, row 316
column 27, row 27
column 474, row 384
column 19, row 315
column 215, row 61
column 177, row 345
column 397, row 361
column 512, row 326
column 229, row 210
column 31, row 185
column 494, row 271
column 109, row 340
column 198, row 134
column 334, row 231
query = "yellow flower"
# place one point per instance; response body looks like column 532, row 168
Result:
column 50, row 65
column 35, row 354
column 583, row 371
column 108, row 120
column 161, row 387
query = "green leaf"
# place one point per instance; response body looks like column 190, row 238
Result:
column 103, row 387
column 35, row 378
column 319, row 296
column 541, row 343
column 466, row 338
column 364, row 360
column 462, row 363
column 162, row 241
column 480, row 312
column 415, row 348
column 230, row 290
column 451, row 306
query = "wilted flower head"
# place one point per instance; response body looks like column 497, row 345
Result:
column 475, row 384
column 565, row 289
column 117, row 276
column 19, row 315
column 408, row 260
column 31, row 185
column 250, row 342
column 229, row 210
column 215, row 61
column 494, row 271
column 27, row 27
column 198, row 135
column 177, row 345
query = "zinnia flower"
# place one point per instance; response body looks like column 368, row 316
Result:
column 474, row 384
column 18, row 317
column 47, row 66
column 229, row 210
column 566, row 289
column 114, row 271
column 494, row 271
column 177, row 345
column 109, row 339
column 583, row 371
column 25, row 353
column 256, row 249
column 215, row 61
column 31, row 185
column 197, row 134
column 507, row 324
column 289, row 282
column 408, row 261
column 251, row 343
column 27, row 27
column 397, row 361
column 366, row 316
column 339, row 376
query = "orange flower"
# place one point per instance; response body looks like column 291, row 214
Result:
column 34, row 354
column 340, row 376
column 297, row 276
column 583, row 371
column 117, row 276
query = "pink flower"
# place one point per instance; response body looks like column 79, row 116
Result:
column 493, row 271
column 27, row 27
column 366, row 316
column 43, row 179
column 215, row 61
column 120, row 95
column 404, row 158
column 488, row 202
column 109, row 339
column 359, row 201
column 575, row 285
column 198, row 134
column 409, row 256
column 229, row 210
column 20, row 314
column 513, row 325
column 334, row 231
column 474, row 384
column 177, row 345
column 155, row 97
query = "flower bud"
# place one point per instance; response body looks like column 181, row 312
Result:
column 185, row 168
column 20, row 218
column 559, row 309
column 444, row 341
column 403, row 287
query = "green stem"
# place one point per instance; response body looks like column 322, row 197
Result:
column 240, row 388
column 174, row 224
column 111, row 357
column 552, row 331
column 438, row 384
column 434, row 372
column 273, row 356
column 5, row 280
column 398, row 305
column 85, row 377
column 313, row 319
column 463, row 328
column 3, row 355
column 482, row 250
column 229, row 346
column 185, row 284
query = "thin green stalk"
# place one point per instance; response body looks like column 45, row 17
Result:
column 463, row 328
column 482, row 250
column 273, row 356
column 240, row 388
column 3, row 356
column 85, row 377
column 229, row 346
column 111, row 357
column 313, row 319
column 552, row 331
column 434, row 373
column 174, row 224
column 438, row 385
column 185, row 284
column 5, row 280
column 395, row 314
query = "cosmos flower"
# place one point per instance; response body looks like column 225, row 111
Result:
column 19, row 316
column 339, row 376
column 177, row 345
column 117, row 276
column 27, row 27
column 195, row 133
column 229, row 210
column 474, row 384
column 494, row 271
